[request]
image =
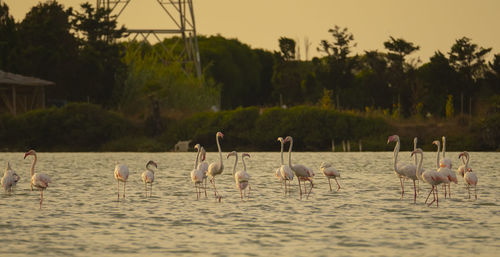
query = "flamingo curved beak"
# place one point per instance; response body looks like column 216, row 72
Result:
column 25, row 155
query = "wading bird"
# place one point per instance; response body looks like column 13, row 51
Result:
column 431, row 177
column 40, row 181
column 469, row 176
column 400, row 169
column 121, row 174
column 148, row 177
column 285, row 172
column 216, row 168
column 197, row 175
column 302, row 172
column 330, row 172
column 9, row 179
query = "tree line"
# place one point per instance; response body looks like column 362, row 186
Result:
column 81, row 51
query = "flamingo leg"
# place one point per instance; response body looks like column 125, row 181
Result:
column 213, row 183
column 402, row 187
column 415, row 192
column 468, row 190
column 241, row 193
column 41, row 198
column 429, row 194
column 196, row 191
column 300, row 188
column 329, row 184
column 249, row 188
column 118, row 181
column 433, row 195
column 146, row 188
column 418, row 186
column 312, row 185
column 449, row 190
column 151, row 191
column 285, row 187
column 475, row 191
column 338, row 185
column 205, row 187
column 124, row 183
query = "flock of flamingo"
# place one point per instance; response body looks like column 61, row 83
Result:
column 441, row 175
column 285, row 173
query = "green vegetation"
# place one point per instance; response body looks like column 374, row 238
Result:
column 134, row 102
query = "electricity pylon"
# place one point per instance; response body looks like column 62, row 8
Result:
column 179, row 22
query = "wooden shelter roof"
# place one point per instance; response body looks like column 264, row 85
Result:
column 7, row 78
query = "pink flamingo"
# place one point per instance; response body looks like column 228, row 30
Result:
column 431, row 177
column 443, row 169
column 461, row 168
column 241, row 177
column 401, row 170
column 469, row 176
column 302, row 172
column 203, row 166
column 277, row 173
column 121, row 174
column 216, row 168
column 40, row 181
column 148, row 177
column 330, row 172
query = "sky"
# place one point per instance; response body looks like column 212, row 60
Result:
column 430, row 24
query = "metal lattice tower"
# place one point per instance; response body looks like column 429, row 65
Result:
column 180, row 23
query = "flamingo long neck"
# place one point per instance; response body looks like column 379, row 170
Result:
column 290, row 153
column 236, row 163
column 396, row 151
column 437, row 156
column 33, row 165
column 197, row 156
column 220, row 151
column 467, row 162
column 244, row 165
column 282, row 161
column 419, row 166
column 444, row 147
column 148, row 168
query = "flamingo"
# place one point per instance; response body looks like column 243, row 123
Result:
column 203, row 166
column 277, row 173
column 443, row 169
column 431, row 177
column 41, row 181
column 197, row 175
column 401, row 170
column 121, row 174
column 415, row 140
column 216, row 168
column 461, row 168
column 148, row 176
column 285, row 172
column 330, row 172
column 9, row 179
column 302, row 172
column 241, row 177
column 469, row 176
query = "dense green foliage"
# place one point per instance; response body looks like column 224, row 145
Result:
column 75, row 127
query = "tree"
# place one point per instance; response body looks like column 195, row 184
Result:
column 287, row 48
column 339, row 66
column 47, row 48
column 468, row 60
column 399, row 49
column 8, row 38
column 102, row 70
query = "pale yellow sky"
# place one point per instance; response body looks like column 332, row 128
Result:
column 431, row 24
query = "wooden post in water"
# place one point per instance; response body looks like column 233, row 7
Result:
column 360, row 146
column 333, row 145
column 348, row 145
column 343, row 145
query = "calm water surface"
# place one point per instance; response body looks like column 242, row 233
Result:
column 82, row 217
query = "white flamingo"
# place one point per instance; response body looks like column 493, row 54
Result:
column 216, row 168
column 203, row 166
column 400, row 169
column 469, row 176
column 9, row 179
column 121, row 174
column 148, row 177
column 330, row 172
column 277, row 173
column 40, row 181
column 241, row 177
column 197, row 175
column 285, row 172
column 302, row 172
column 443, row 169
column 431, row 177
column 415, row 141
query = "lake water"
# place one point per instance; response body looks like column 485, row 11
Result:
column 82, row 217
